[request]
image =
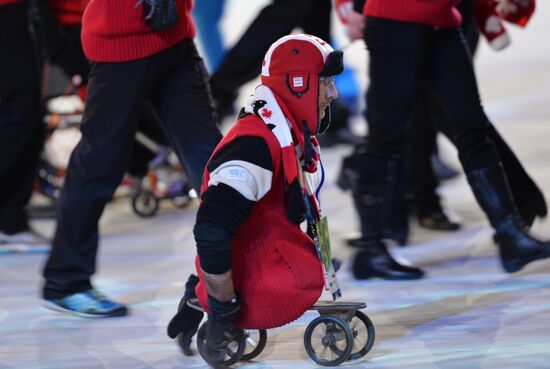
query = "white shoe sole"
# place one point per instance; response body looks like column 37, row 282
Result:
column 52, row 306
column 22, row 248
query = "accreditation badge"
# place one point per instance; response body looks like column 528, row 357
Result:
column 322, row 243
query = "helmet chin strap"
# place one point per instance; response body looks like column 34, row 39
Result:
column 308, row 146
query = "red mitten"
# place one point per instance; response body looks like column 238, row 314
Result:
column 516, row 11
column 343, row 9
column 490, row 24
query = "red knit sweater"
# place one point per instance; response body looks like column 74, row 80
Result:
column 275, row 267
column 435, row 13
column 115, row 31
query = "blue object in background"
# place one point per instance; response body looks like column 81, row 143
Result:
column 346, row 82
column 207, row 15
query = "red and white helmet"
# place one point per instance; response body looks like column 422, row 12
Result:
column 291, row 69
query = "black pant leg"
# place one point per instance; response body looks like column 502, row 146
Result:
column 422, row 181
column 453, row 80
column 21, row 128
column 396, row 61
column 142, row 155
column 116, row 94
column 185, row 111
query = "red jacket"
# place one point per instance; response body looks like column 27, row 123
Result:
column 274, row 264
column 435, row 13
column 115, row 31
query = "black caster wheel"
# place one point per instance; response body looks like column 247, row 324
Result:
column 233, row 351
column 145, row 204
column 328, row 340
column 255, row 343
column 363, row 333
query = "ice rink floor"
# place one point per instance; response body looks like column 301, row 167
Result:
column 466, row 314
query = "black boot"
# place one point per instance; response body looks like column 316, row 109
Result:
column 528, row 197
column 517, row 247
column 371, row 203
column 375, row 261
column 397, row 224
column 398, row 218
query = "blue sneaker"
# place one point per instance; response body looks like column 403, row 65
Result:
column 88, row 304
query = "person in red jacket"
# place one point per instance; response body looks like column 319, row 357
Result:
column 22, row 131
column 260, row 184
column 414, row 44
column 141, row 56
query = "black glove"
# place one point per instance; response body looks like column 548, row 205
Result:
column 221, row 316
column 187, row 319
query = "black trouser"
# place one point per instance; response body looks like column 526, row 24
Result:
column 63, row 48
column 244, row 61
column 21, row 129
column 422, row 182
column 406, row 56
column 175, row 81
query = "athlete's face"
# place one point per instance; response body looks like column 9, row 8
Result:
column 327, row 93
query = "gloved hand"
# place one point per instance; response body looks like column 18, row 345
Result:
column 516, row 11
column 490, row 24
column 221, row 315
column 187, row 319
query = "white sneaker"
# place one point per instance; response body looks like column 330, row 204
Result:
column 23, row 242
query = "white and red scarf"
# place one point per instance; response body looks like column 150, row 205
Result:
column 265, row 104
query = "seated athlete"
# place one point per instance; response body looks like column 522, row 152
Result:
column 257, row 268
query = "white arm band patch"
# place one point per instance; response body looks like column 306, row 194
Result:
column 250, row 180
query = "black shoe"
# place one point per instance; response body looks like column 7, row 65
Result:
column 517, row 248
column 377, row 262
column 437, row 221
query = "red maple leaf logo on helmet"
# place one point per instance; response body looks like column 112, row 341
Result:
column 266, row 113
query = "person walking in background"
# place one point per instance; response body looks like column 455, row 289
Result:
column 242, row 62
column 414, row 43
column 22, row 131
column 140, row 55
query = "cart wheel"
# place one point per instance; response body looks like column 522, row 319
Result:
column 234, row 349
column 328, row 340
column 182, row 201
column 363, row 333
column 145, row 204
column 255, row 343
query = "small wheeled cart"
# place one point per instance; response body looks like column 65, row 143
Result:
column 342, row 332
